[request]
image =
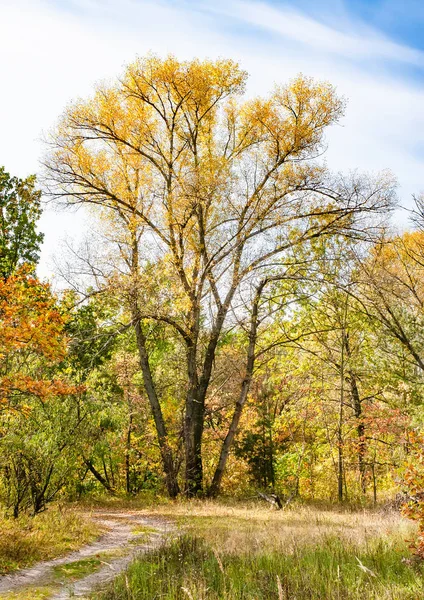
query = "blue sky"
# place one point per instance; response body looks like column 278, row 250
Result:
column 53, row 51
column 403, row 21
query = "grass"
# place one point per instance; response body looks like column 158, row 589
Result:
column 63, row 574
column 249, row 552
column 30, row 593
column 233, row 551
column 77, row 569
column 142, row 530
column 188, row 568
column 27, row 540
column 253, row 526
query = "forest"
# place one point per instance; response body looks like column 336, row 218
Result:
column 237, row 345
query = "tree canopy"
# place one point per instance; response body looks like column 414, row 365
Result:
column 208, row 198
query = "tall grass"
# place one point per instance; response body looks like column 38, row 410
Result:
column 27, row 540
column 250, row 527
column 188, row 568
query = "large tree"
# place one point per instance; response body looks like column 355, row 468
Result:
column 207, row 195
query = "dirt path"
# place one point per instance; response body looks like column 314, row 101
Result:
column 128, row 533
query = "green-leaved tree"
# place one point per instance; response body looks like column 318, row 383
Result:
column 19, row 212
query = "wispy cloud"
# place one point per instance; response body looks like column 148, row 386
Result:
column 286, row 21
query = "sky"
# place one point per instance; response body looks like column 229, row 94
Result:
column 54, row 51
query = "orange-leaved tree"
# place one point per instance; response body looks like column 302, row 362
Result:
column 32, row 341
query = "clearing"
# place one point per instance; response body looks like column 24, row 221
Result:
column 233, row 551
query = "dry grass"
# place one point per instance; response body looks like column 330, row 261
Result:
column 365, row 566
column 241, row 551
column 254, row 527
column 247, row 551
column 27, row 540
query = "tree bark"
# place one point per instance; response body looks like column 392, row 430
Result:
column 194, row 414
column 193, row 434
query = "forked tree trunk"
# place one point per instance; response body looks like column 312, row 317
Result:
column 195, row 404
column 215, row 486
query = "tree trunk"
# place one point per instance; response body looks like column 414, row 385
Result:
column 193, row 419
column 215, row 486
column 166, row 452
column 195, row 404
column 374, row 483
column 360, row 430
column 340, row 461
column 193, row 433
column 340, row 471
column 357, row 409
column 98, row 475
column 127, row 455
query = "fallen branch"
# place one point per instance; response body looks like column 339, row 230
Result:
column 272, row 499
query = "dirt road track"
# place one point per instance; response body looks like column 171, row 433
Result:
column 128, row 533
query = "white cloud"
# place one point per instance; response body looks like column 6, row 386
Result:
column 285, row 21
column 51, row 55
